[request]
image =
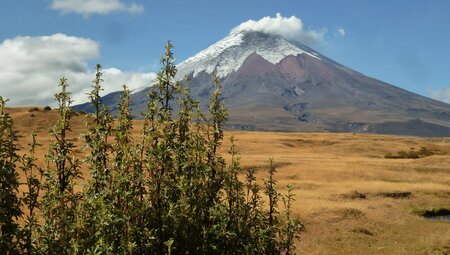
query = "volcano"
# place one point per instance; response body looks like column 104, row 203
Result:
column 271, row 84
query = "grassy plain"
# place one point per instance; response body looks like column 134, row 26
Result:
column 351, row 198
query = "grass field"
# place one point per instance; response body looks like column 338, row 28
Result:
column 351, row 198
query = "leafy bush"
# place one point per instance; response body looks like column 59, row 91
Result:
column 165, row 192
column 9, row 183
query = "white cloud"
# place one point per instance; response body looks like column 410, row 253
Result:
column 291, row 28
column 133, row 80
column 341, row 32
column 113, row 79
column 442, row 94
column 30, row 68
column 88, row 7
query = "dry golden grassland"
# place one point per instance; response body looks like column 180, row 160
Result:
column 351, row 198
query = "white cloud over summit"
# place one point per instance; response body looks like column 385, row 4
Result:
column 291, row 28
column 88, row 7
column 30, row 68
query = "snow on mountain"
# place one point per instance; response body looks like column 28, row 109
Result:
column 228, row 54
column 287, row 86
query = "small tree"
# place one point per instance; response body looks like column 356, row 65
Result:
column 60, row 201
column 33, row 178
column 291, row 227
column 9, row 201
column 95, row 211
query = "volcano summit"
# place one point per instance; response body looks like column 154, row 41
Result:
column 272, row 84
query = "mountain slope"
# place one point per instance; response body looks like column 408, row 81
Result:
column 272, row 84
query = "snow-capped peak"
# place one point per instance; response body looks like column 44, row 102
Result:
column 228, row 54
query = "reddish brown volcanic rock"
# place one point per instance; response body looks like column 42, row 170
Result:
column 272, row 84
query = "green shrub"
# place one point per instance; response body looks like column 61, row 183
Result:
column 167, row 191
column 9, row 184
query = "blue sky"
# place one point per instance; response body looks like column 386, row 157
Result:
column 405, row 43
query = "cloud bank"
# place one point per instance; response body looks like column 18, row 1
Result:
column 89, row 7
column 30, row 68
column 291, row 28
